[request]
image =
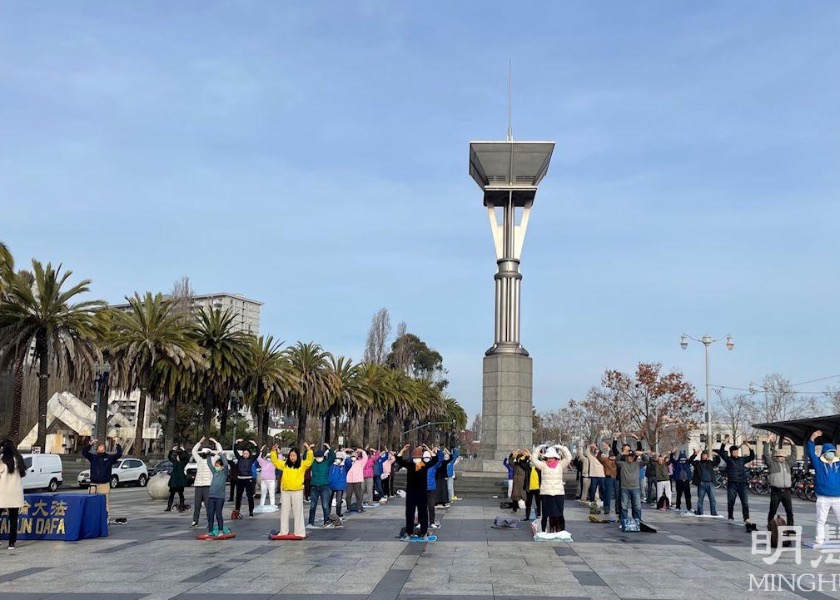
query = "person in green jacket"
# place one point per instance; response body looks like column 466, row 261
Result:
column 179, row 458
column 319, row 484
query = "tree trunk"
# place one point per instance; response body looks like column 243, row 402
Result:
column 223, row 417
column 171, row 417
column 391, row 419
column 264, row 427
column 207, row 417
column 337, row 427
column 366, row 428
column 301, row 431
column 326, row 426
column 138, row 447
column 42, row 352
column 17, row 399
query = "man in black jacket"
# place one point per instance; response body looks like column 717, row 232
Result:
column 704, row 478
column 736, row 473
column 100, row 469
column 416, row 474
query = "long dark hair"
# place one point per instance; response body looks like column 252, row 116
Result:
column 11, row 457
column 289, row 463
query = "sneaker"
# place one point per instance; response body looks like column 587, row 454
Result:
column 194, row 524
column 214, row 533
column 730, row 520
column 455, row 498
column 251, row 516
column 714, row 514
column 405, row 538
column 698, row 513
column 226, row 531
column 312, row 526
column 11, row 546
column 329, row 525
column 435, row 525
column 446, row 505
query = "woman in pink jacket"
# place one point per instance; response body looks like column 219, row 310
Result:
column 373, row 456
column 355, row 478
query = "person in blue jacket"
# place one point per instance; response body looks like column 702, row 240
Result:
column 450, row 473
column 508, row 463
column 338, row 480
column 682, row 478
column 826, row 482
column 431, row 486
column 377, row 473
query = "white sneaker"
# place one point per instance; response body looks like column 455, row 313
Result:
column 11, row 547
column 312, row 526
column 435, row 525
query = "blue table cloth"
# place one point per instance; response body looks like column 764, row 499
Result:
column 66, row 517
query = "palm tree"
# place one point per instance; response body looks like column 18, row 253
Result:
column 315, row 384
column 348, row 393
column 152, row 343
column 226, row 355
column 64, row 332
column 268, row 377
column 13, row 356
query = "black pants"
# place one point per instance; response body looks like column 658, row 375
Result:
column 386, row 486
column 232, row 489
column 782, row 495
column 552, row 513
column 13, row 524
column 430, row 503
column 338, row 495
column 247, row 486
column 684, row 487
column 529, row 498
column 180, row 492
column 739, row 489
column 416, row 500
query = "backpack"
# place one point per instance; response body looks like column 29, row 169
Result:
column 774, row 533
column 663, row 503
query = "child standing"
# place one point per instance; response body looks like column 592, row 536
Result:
column 291, row 486
column 338, row 480
column 220, row 469
column 268, row 478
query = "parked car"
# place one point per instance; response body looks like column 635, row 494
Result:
column 165, row 466
column 43, row 471
column 190, row 469
column 126, row 470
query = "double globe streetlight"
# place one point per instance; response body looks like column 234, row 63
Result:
column 707, row 341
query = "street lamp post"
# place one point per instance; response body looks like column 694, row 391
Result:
column 236, row 397
column 101, row 373
column 707, row 341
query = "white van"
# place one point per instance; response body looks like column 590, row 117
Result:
column 43, row 471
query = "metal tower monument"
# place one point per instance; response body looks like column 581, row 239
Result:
column 508, row 173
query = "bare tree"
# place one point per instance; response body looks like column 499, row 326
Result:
column 376, row 348
column 832, row 395
column 401, row 353
column 776, row 400
column 735, row 414
column 183, row 294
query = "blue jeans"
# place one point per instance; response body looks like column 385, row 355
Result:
column 607, row 493
column 632, row 496
column 704, row 489
column 214, row 514
column 322, row 493
column 596, row 483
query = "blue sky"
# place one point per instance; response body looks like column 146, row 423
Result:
column 313, row 155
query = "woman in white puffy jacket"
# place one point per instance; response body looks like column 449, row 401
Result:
column 552, row 465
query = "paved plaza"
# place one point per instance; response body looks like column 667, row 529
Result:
column 155, row 557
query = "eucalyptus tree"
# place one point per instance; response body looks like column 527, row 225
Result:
column 314, row 387
column 153, row 345
column 44, row 311
column 226, row 359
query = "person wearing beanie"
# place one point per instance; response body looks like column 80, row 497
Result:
column 682, row 478
column 246, row 474
column 431, row 482
column 826, row 482
column 416, row 473
column 705, row 471
column 781, row 478
column 319, row 485
column 736, row 473
column 552, row 467
column 338, row 480
column 203, row 475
